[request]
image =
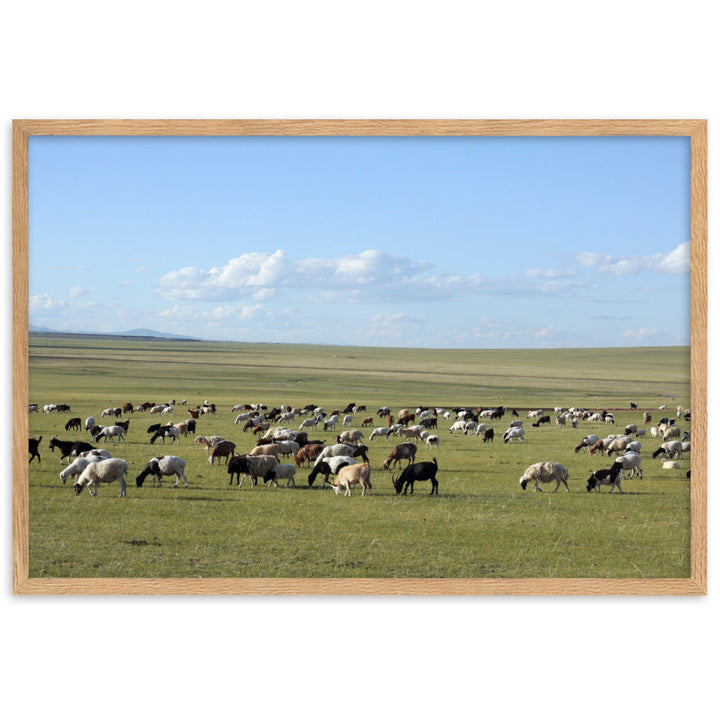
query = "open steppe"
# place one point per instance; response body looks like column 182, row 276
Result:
column 481, row 525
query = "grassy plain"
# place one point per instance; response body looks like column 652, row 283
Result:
column 481, row 525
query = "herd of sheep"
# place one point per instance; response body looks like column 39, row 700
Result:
column 346, row 460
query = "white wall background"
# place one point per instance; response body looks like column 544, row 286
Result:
column 499, row 657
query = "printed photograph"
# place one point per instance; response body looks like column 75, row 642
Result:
column 359, row 357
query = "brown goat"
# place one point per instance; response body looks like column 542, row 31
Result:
column 224, row 449
column 403, row 451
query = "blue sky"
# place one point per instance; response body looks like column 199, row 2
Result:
column 420, row 242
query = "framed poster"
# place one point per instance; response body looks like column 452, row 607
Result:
column 475, row 309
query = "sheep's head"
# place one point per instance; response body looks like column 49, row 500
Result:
column 78, row 488
column 591, row 483
column 524, row 481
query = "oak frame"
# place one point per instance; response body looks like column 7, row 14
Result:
column 696, row 584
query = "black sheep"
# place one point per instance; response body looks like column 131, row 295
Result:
column 417, row 472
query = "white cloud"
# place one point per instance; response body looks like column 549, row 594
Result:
column 45, row 302
column 77, row 292
column 675, row 262
column 368, row 275
column 549, row 273
column 639, row 335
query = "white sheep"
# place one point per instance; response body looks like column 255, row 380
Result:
column 480, row 429
column 308, row 423
column 630, row 461
column 89, row 422
column 282, row 471
column 76, row 467
column 672, row 432
column 514, row 433
column 287, row 447
column 104, row 471
column 163, row 465
column 350, row 436
column 458, row 426
column 380, row 432
column 334, row 451
column 432, row 440
column 353, row 475
column 545, row 472
column 102, row 454
column 670, row 465
column 114, row 431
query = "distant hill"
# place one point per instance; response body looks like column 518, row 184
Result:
column 136, row 333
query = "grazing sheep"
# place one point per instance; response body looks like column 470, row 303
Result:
column 545, row 472
column 631, row 429
column 629, row 461
column 254, row 466
column 380, row 432
column 77, row 466
column 330, row 466
column 674, row 447
column 287, row 448
column 208, row 442
column 480, row 429
column 544, row 420
column 271, row 449
column 671, row 432
column 410, row 433
column 489, row 435
column 308, row 422
column 89, row 422
column 104, row 471
column 353, row 475
column 73, row 424
column 307, row 454
column 417, row 472
column 34, row 448
column 457, row 426
column 224, row 449
column 163, row 465
column 350, row 437
column 609, row 477
column 432, row 440
column 330, row 423
column 403, row 451
column 114, row 431
column 586, row 442
column 282, row 471
column 514, row 434
column 670, row 465
column 166, row 431
column 617, row 445
column 654, row 432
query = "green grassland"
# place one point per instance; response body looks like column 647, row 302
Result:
column 481, row 525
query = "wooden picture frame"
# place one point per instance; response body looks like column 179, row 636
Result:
column 696, row 584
